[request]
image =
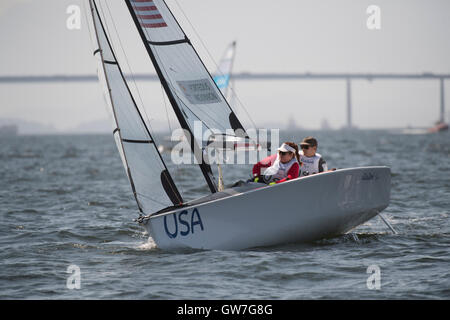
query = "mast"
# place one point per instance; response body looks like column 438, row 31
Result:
column 349, row 104
column 166, row 180
column 442, row 95
column 231, row 80
column 152, row 20
column 231, row 68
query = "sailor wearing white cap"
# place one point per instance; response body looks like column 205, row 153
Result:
column 286, row 166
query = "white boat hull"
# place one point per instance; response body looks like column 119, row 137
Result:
column 300, row 210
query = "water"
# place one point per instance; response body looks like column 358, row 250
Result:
column 65, row 200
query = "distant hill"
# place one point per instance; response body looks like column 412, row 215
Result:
column 101, row 126
column 105, row 126
column 28, row 127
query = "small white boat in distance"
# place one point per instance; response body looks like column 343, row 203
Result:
column 253, row 215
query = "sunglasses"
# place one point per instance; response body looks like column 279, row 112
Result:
column 283, row 153
column 305, row 147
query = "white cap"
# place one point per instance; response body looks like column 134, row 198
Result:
column 286, row 148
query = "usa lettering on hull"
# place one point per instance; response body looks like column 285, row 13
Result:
column 183, row 223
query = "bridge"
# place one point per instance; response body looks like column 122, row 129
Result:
column 347, row 77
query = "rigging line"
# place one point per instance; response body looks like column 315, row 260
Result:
column 105, row 24
column 150, row 198
column 86, row 12
column 165, row 106
column 210, row 56
column 235, row 96
column 243, row 107
column 131, row 70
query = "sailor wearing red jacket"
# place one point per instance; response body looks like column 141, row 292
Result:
column 280, row 167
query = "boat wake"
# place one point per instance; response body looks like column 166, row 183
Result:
column 148, row 245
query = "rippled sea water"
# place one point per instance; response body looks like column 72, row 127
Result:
column 65, row 200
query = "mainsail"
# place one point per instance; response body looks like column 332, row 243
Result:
column 151, row 182
column 190, row 88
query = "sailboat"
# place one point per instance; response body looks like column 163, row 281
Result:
column 222, row 77
column 247, row 215
column 439, row 126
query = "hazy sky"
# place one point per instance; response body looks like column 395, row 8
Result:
column 272, row 36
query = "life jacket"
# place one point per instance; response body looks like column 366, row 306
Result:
column 279, row 170
column 311, row 165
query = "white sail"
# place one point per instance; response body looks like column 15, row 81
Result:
column 150, row 180
column 193, row 93
column 222, row 76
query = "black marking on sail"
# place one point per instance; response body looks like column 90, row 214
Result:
column 137, row 141
column 115, row 130
column 168, row 43
column 110, row 62
column 236, row 125
column 97, row 51
column 169, row 187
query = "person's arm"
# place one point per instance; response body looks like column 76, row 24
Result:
column 265, row 163
column 293, row 173
column 322, row 165
column 256, row 169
